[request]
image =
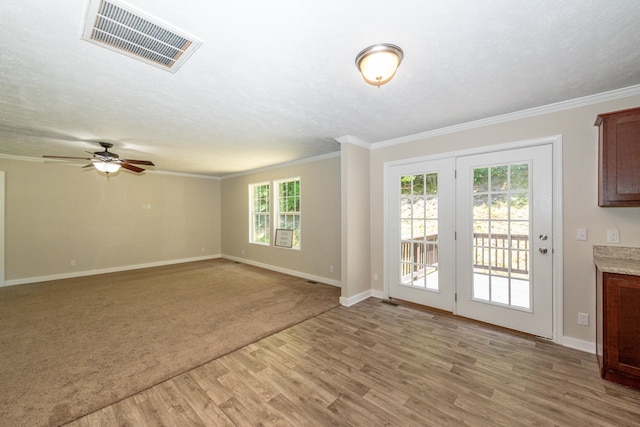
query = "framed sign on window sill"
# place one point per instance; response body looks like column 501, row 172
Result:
column 284, row 238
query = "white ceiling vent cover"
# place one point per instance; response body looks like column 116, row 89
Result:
column 122, row 29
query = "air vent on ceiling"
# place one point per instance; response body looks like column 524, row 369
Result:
column 122, row 29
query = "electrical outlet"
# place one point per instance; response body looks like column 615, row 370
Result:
column 72, row 263
column 583, row 319
column 613, row 236
column 331, row 269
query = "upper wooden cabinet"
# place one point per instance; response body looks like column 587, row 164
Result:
column 619, row 158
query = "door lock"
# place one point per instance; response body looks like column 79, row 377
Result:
column 543, row 250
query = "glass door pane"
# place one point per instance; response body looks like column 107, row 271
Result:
column 419, row 231
column 501, row 235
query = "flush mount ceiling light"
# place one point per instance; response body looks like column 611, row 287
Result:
column 378, row 63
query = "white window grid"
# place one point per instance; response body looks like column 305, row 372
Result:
column 287, row 207
column 260, row 213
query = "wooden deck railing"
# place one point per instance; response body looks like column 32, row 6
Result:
column 422, row 254
column 488, row 251
column 495, row 247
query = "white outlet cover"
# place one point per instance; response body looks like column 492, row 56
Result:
column 583, row 319
column 613, row 236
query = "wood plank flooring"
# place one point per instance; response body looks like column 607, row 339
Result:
column 375, row 364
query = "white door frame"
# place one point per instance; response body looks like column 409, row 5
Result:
column 558, row 266
column 2, row 264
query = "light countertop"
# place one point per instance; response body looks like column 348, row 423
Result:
column 616, row 259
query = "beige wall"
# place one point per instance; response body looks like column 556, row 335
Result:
column 580, row 141
column 55, row 213
column 320, row 228
column 356, row 236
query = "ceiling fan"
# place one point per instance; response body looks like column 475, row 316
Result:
column 108, row 162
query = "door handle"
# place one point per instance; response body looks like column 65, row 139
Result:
column 543, row 250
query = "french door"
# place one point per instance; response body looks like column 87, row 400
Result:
column 504, row 239
column 473, row 235
column 421, row 229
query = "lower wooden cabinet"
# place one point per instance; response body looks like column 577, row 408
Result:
column 618, row 327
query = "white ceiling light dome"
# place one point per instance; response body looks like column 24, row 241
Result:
column 107, row 167
column 379, row 63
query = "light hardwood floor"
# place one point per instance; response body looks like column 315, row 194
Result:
column 375, row 364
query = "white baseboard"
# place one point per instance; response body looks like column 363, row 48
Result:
column 378, row 294
column 348, row 302
column 588, row 346
column 104, row 270
column 326, row 280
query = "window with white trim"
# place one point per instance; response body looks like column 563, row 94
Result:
column 260, row 213
column 287, row 207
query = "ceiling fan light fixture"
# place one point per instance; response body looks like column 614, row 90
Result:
column 379, row 63
column 107, row 167
column 108, row 162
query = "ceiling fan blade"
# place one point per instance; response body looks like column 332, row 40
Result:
column 90, row 165
column 131, row 167
column 65, row 157
column 139, row 162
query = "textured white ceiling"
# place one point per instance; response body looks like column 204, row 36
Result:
column 276, row 81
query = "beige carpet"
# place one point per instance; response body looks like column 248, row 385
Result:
column 69, row 347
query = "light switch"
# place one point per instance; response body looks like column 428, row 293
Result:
column 581, row 234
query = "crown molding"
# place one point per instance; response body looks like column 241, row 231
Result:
column 23, row 158
column 183, row 174
column 187, row 175
column 67, row 163
column 284, row 165
column 531, row 112
column 349, row 139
